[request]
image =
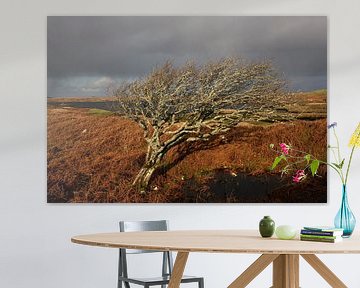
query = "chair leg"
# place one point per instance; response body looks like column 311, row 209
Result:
column 120, row 270
column 201, row 283
column 126, row 284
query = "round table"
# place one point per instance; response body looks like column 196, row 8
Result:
column 284, row 254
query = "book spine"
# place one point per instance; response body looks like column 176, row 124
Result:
column 320, row 233
column 318, row 236
column 318, row 239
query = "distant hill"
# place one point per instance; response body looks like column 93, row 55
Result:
column 305, row 105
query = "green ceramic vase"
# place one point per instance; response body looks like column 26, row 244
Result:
column 266, row 227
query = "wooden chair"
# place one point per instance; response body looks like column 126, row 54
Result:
column 167, row 262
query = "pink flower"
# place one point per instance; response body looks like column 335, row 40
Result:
column 299, row 176
column 284, row 148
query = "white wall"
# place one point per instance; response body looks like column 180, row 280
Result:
column 35, row 248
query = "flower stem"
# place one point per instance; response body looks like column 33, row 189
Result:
column 337, row 144
column 335, row 168
column 348, row 166
column 339, row 155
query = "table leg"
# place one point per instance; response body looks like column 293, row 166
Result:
column 178, row 269
column 253, row 270
column 324, row 271
column 286, row 271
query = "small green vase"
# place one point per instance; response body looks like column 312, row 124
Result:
column 267, row 227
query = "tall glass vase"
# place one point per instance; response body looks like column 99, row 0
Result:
column 345, row 219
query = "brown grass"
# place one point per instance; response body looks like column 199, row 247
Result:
column 94, row 158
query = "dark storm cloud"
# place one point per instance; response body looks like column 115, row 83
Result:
column 90, row 50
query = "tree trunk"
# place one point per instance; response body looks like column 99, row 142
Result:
column 154, row 156
column 142, row 179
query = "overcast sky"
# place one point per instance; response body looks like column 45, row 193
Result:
column 86, row 54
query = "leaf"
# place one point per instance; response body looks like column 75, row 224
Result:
column 339, row 166
column 307, row 157
column 336, row 165
column 314, row 166
column 277, row 161
column 342, row 163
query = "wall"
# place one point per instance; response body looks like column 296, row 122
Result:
column 35, row 248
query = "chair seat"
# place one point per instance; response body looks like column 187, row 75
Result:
column 158, row 280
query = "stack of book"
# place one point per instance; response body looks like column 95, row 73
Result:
column 321, row 234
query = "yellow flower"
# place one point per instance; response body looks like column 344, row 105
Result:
column 355, row 138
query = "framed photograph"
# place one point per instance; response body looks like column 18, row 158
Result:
column 186, row 109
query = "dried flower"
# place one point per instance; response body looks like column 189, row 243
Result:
column 284, row 148
column 299, row 176
column 311, row 163
column 332, row 125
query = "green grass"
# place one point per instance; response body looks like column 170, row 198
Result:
column 319, row 91
column 100, row 112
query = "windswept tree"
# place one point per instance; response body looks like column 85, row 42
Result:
column 192, row 103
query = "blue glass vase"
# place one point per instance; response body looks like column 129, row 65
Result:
column 345, row 219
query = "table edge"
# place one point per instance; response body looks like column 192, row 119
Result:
column 203, row 250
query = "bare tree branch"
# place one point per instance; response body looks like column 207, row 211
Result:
column 193, row 103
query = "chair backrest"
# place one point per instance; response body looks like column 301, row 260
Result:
column 135, row 226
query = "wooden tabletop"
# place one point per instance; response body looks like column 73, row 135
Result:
column 220, row 241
